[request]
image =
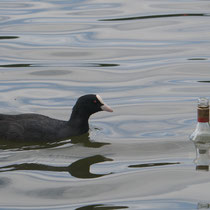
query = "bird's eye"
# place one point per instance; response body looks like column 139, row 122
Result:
column 95, row 102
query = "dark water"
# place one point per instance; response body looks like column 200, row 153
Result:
column 149, row 60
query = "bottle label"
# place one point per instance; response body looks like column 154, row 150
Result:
column 203, row 114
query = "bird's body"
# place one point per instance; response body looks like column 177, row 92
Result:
column 36, row 127
column 33, row 128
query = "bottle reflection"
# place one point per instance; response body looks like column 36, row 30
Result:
column 202, row 160
column 202, row 205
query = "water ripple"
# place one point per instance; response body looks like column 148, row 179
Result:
column 155, row 16
column 149, row 60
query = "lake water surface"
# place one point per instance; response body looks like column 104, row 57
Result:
column 149, row 60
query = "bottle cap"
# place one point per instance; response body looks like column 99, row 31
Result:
column 203, row 102
column 203, row 110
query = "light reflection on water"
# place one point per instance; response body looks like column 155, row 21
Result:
column 149, row 60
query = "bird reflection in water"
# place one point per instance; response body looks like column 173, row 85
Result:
column 87, row 142
column 83, row 140
column 78, row 169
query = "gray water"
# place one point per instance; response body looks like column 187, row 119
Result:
column 149, row 60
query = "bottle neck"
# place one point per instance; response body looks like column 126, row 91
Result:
column 203, row 114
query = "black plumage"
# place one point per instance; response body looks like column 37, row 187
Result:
column 36, row 127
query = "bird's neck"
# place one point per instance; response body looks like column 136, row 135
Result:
column 79, row 120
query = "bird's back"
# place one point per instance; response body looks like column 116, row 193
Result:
column 30, row 127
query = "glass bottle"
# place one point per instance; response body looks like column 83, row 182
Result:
column 201, row 135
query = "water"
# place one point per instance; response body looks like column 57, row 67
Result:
column 149, row 60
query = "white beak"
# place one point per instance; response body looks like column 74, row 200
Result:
column 106, row 108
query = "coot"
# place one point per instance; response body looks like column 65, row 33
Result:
column 35, row 127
